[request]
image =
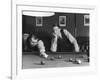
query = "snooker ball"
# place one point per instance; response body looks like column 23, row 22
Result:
column 78, row 61
column 70, row 60
column 59, row 57
column 52, row 58
column 42, row 62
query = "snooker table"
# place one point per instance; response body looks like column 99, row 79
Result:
column 31, row 60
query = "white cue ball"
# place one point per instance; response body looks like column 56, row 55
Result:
column 70, row 59
column 78, row 61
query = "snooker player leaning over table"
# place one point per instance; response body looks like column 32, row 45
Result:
column 62, row 38
column 34, row 42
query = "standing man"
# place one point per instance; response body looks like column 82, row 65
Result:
column 62, row 38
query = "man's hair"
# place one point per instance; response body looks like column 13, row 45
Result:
column 35, row 37
column 56, row 27
column 55, row 24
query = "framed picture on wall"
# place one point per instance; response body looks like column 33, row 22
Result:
column 39, row 21
column 62, row 20
column 86, row 20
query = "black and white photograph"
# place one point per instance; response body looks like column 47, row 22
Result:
column 62, row 20
column 86, row 20
column 38, row 21
column 52, row 40
column 51, row 45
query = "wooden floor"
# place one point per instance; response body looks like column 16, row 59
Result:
column 30, row 61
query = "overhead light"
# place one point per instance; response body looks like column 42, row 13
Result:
column 38, row 14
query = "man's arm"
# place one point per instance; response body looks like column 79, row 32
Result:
column 41, row 48
column 54, row 43
column 72, row 40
